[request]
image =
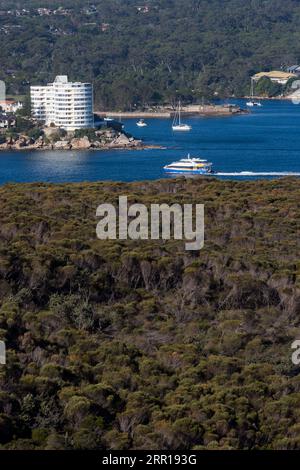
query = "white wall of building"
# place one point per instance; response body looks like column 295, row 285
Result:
column 65, row 104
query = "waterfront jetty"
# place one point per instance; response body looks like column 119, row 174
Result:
column 168, row 112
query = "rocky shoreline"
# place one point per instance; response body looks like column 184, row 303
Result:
column 107, row 139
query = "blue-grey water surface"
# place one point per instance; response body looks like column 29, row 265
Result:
column 265, row 143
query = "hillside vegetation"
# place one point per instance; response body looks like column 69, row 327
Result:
column 187, row 48
column 143, row 345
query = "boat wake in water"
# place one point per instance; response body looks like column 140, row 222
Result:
column 259, row 173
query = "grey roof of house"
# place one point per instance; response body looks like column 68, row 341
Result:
column 7, row 117
column 294, row 67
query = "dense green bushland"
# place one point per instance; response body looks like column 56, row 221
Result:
column 127, row 345
column 188, row 48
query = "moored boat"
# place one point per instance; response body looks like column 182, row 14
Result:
column 177, row 124
column 252, row 102
column 141, row 123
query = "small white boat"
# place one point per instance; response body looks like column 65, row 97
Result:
column 182, row 127
column 141, row 123
column 252, row 102
column 108, row 119
column 177, row 124
column 190, row 165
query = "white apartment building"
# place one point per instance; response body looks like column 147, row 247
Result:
column 68, row 105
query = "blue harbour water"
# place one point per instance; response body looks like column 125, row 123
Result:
column 265, row 143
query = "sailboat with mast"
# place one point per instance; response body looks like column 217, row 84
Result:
column 177, row 124
column 252, row 102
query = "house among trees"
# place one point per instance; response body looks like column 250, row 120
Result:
column 275, row 76
column 7, row 121
column 143, row 9
column 105, row 27
column 44, row 11
column 10, row 106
